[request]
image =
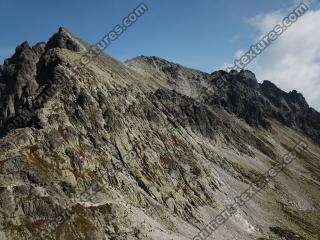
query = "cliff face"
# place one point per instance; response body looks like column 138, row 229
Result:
column 148, row 149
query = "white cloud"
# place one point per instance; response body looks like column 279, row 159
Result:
column 239, row 53
column 292, row 61
column 265, row 22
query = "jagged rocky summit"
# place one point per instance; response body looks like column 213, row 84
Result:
column 148, row 149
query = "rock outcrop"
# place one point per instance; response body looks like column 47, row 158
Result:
column 148, row 149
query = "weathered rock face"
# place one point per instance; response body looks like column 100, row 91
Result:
column 257, row 103
column 27, row 73
column 63, row 39
column 148, row 149
column 18, row 79
column 238, row 93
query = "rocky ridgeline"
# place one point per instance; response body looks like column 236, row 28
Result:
column 257, row 103
column 25, row 76
column 241, row 94
column 30, row 69
column 147, row 149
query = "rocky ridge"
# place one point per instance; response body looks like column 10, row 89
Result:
column 160, row 149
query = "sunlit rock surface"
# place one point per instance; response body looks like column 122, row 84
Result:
column 148, row 149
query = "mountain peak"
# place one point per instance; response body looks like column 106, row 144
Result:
column 65, row 39
column 153, row 60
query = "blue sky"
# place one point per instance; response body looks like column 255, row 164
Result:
column 202, row 34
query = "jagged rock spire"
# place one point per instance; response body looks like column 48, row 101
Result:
column 64, row 39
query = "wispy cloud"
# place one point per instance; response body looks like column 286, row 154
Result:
column 292, row 61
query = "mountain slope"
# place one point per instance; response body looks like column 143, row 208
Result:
column 142, row 149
